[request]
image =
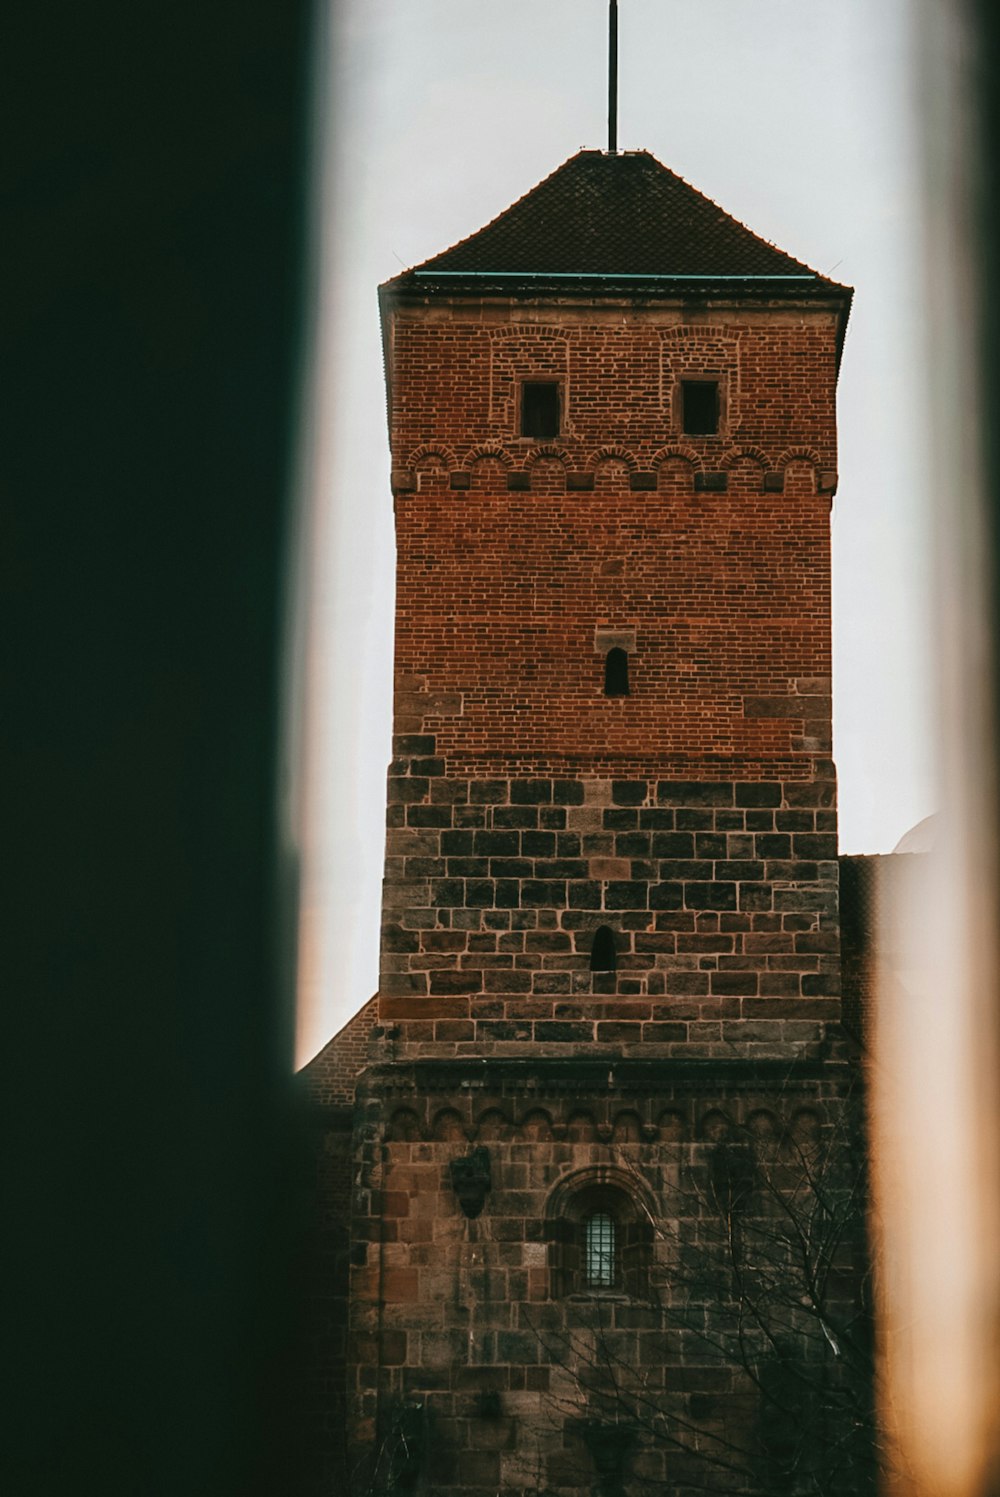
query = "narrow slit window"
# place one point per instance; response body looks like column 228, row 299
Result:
column 700, row 402
column 600, row 1251
column 603, row 953
column 540, row 411
column 616, row 673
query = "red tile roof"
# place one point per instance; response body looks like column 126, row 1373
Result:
column 622, row 218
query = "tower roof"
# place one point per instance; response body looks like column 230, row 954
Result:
column 616, row 219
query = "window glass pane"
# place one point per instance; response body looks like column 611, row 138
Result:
column 600, row 1251
column 540, row 411
column 701, row 407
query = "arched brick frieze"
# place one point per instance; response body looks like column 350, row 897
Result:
column 404, row 1126
column 537, row 1125
column 672, row 1126
column 675, row 468
column 429, row 456
column 612, row 452
column 581, row 1127
column 546, row 451
column 763, row 1125
column 798, row 454
column 805, row 1128
column 627, row 1128
column 448, row 1126
column 734, row 455
column 798, row 466
column 714, row 1126
column 488, row 451
column 676, row 452
column 492, row 1126
column 519, row 330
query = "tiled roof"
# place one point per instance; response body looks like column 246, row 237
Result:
column 621, row 217
column 331, row 1076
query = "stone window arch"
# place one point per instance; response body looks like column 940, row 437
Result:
column 600, row 1237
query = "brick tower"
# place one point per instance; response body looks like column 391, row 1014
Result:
column 610, row 973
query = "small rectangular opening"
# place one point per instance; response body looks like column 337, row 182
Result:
column 540, row 411
column 700, row 401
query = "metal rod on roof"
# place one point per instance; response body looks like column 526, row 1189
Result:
column 613, row 76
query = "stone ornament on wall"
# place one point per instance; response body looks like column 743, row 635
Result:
column 471, row 1181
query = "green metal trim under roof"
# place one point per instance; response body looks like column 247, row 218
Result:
column 616, row 275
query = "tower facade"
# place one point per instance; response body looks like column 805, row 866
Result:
column 609, row 975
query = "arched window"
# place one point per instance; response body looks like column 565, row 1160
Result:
column 603, row 953
column 599, row 1251
column 600, row 1239
column 616, row 673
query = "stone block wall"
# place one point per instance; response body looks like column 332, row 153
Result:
column 721, row 896
column 481, row 1367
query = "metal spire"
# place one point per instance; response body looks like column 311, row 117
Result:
column 613, row 76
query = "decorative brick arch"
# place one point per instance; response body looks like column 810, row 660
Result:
column 687, row 330
column 493, row 1124
column 800, row 458
column 404, row 1126
column 764, row 1127
column 612, row 452
column 679, row 450
column 547, row 450
column 484, row 451
column 537, row 1124
column 676, row 449
column 799, row 455
column 448, row 1126
column 420, row 455
column 714, row 1126
column 672, row 1126
column 520, row 329
column 733, row 455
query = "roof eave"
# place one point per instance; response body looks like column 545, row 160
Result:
column 810, row 287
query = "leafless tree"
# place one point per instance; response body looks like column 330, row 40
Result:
column 745, row 1363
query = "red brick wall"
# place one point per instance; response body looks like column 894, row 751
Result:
column 500, row 590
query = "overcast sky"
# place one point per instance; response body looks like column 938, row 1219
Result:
column 796, row 116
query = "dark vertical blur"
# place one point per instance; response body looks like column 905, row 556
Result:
column 153, row 251
column 988, row 45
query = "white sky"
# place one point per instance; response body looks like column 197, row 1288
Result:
column 796, row 116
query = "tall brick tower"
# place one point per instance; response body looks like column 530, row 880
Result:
column 610, row 938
